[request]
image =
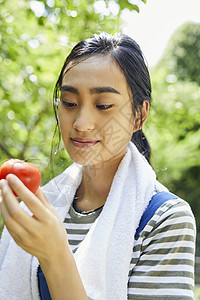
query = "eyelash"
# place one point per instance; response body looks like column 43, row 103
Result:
column 105, row 106
column 72, row 105
column 68, row 104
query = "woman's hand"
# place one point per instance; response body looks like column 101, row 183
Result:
column 42, row 234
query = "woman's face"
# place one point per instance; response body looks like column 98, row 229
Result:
column 95, row 111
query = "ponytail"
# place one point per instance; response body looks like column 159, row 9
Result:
column 142, row 144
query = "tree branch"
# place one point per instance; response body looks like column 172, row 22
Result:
column 3, row 148
column 31, row 127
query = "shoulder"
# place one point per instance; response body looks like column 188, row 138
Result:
column 173, row 211
column 175, row 219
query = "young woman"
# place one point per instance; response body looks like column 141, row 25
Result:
column 99, row 229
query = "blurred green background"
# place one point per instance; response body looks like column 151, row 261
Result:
column 35, row 38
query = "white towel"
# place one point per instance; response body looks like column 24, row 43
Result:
column 104, row 256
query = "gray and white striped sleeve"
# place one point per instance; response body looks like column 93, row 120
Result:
column 164, row 255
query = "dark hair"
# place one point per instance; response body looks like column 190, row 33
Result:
column 128, row 55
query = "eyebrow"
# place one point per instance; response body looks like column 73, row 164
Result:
column 97, row 90
column 69, row 88
column 106, row 89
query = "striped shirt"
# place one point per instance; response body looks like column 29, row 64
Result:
column 162, row 264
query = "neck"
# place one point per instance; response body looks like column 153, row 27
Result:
column 96, row 182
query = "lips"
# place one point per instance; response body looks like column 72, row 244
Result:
column 83, row 142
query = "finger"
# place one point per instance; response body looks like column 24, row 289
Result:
column 1, row 196
column 18, row 232
column 5, row 192
column 8, row 221
column 14, row 216
column 39, row 211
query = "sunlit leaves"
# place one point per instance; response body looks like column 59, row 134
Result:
column 174, row 127
column 183, row 53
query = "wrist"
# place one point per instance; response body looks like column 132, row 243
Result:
column 63, row 278
column 56, row 261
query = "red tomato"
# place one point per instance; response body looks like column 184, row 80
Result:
column 28, row 173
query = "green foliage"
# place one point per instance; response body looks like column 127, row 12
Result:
column 174, row 128
column 183, row 53
column 197, row 292
column 174, row 134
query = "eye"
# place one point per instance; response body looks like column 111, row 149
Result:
column 104, row 107
column 68, row 104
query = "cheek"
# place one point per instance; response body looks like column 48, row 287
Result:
column 64, row 125
column 65, row 119
column 117, row 134
column 126, row 116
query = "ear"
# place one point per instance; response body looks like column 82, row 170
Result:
column 139, row 122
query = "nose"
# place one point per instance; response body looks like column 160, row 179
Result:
column 84, row 120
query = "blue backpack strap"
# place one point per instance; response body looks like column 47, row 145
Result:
column 43, row 287
column 156, row 201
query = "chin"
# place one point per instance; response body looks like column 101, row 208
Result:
column 84, row 163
